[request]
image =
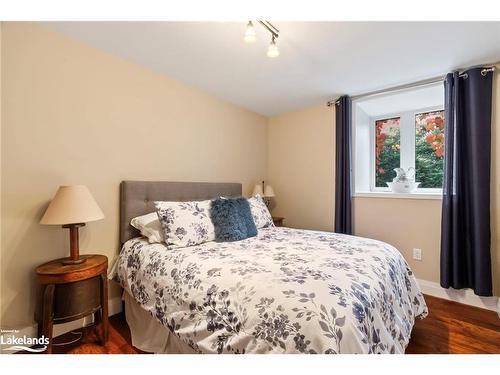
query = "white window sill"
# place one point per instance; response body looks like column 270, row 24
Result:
column 390, row 194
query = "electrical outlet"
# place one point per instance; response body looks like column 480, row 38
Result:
column 417, row 254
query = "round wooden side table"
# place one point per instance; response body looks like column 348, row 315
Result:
column 71, row 292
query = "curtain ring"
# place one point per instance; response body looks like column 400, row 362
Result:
column 484, row 72
column 465, row 75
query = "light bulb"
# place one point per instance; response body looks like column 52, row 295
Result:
column 250, row 36
column 273, row 50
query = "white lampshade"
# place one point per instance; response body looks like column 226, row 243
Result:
column 269, row 191
column 250, row 35
column 71, row 205
column 257, row 190
column 273, row 50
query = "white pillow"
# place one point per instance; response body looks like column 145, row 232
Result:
column 185, row 223
column 261, row 215
column 149, row 226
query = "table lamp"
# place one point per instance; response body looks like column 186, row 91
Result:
column 72, row 207
column 265, row 191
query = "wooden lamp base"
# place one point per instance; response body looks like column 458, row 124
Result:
column 74, row 246
column 69, row 262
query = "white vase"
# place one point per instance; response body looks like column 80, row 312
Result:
column 403, row 187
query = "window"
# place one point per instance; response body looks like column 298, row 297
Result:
column 429, row 149
column 399, row 130
column 387, row 149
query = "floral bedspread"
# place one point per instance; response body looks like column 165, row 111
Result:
column 284, row 291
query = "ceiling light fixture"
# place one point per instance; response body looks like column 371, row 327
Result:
column 250, row 37
column 273, row 50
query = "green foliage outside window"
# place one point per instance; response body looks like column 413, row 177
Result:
column 429, row 149
column 387, row 149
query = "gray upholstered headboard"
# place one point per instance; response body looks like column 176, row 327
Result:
column 137, row 198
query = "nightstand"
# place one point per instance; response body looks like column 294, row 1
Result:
column 69, row 292
column 278, row 221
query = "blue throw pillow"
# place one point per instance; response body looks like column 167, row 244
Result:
column 232, row 219
column 246, row 216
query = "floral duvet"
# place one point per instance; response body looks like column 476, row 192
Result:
column 284, row 291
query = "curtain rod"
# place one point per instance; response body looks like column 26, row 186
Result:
column 424, row 82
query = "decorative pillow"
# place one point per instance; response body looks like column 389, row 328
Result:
column 149, row 226
column 185, row 223
column 261, row 215
column 232, row 219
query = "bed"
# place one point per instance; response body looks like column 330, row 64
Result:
column 284, row 291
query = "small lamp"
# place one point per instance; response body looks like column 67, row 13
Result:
column 72, row 207
column 258, row 190
column 265, row 191
column 269, row 192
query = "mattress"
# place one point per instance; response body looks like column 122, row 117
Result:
column 283, row 291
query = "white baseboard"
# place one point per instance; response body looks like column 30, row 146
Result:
column 465, row 296
column 114, row 307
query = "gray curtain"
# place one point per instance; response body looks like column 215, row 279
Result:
column 343, row 168
column 465, row 225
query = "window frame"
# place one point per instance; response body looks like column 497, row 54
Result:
column 407, row 129
column 426, row 110
column 373, row 174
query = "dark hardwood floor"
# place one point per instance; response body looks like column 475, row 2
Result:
column 450, row 328
column 455, row 328
column 119, row 341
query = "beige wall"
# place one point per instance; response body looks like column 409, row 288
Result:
column 300, row 166
column 75, row 115
column 1, row 282
column 405, row 224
